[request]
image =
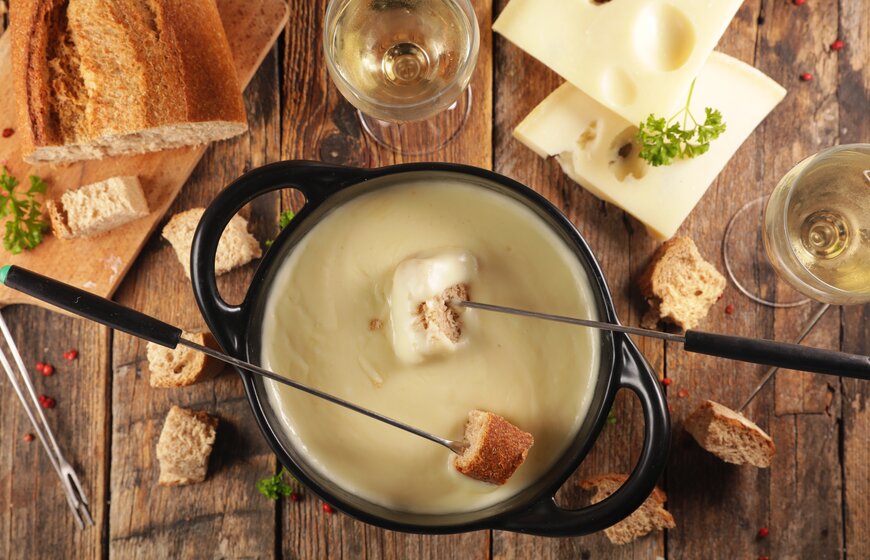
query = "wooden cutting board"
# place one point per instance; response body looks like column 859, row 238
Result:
column 98, row 265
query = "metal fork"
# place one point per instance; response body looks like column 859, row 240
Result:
column 72, row 487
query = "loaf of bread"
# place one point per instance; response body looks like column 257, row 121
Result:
column 235, row 248
column 650, row 516
column 730, row 436
column 496, row 448
column 182, row 366
column 96, row 78
column 97, row 208
column 185, row 446
column 680, row 285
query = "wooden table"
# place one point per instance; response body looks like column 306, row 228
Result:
column 815, row 499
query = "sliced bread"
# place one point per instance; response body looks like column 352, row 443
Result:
column 650, row 516
column 680, row 285
column 182, row 366
column 730, row 436
column 185, row 445
column 496, row 448
column 97, row 208
column 97, row 78
column 235, row 248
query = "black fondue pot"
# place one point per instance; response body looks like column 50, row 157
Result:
column 533, row 510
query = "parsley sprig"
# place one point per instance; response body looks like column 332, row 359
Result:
column 25, row 226
column 283, row 221
column 662, row 141
column 276, row 486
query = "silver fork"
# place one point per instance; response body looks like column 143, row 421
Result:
column 72, row 487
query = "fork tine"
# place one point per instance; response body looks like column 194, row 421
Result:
column 69, row 479
column 80, row 493
column 77, row 485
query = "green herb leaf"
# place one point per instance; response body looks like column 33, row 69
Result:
column 611, row 417
column 662, row 142
column 275, row 486
column 284, row 218
column 25, row 227
column 283, row 221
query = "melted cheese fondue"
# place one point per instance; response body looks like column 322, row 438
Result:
column 327, row 324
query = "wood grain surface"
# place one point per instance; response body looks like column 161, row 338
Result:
column 815, row 499
column 99, row 264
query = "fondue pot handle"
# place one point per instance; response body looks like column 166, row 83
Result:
column 316, row 181
column 548, row 519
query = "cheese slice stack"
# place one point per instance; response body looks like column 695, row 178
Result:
column 635, row 57
column 597, row 148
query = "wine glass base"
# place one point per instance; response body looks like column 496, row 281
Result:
column 415, row 138
column 745, row 266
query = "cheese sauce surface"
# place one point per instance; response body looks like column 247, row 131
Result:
column 321, row 328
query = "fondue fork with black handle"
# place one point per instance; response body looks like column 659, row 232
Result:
column 116, row 316
column 753, row 350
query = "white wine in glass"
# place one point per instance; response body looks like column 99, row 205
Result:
column 817, row 225
column 404, row 62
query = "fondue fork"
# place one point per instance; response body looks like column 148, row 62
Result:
column 753, row 350
column 118, row 317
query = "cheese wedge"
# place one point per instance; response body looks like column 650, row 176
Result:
column 597, row 148
column 635, row 57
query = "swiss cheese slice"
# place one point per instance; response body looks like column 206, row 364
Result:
column 597, row 148
column 636, row 57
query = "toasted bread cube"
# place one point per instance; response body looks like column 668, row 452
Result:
column 94, row 209
column 730, row 436
column 235, row 248
column 680, row 285
column 650, row 516
column 496, row 448
column 184, row 446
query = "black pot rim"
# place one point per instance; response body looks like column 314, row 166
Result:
column 339, row 179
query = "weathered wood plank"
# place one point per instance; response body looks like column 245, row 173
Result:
column 319, row 124
column 805, row 433
column 853, row 96
column 224, row 516
column 35, row 521
column 806, row 475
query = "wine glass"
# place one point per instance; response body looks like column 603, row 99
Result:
column 816, row 232
column 817, row 226
column 405, row 65
column 816, row 229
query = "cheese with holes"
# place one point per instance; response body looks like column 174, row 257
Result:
column 597, row 148
column 635, row 57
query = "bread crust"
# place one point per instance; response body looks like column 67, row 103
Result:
column 184, row 71
column 191, row 470
column 697, row 424
column 503, row 449
column 650, row 516
column 660, row 295
column 206, row 367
